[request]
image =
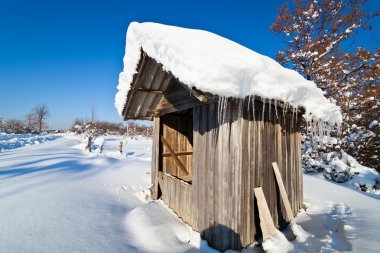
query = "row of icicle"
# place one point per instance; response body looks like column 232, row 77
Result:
column 315, row 128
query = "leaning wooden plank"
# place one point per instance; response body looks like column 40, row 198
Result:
column 266, row 223
column 176, row 159
column 284, row 197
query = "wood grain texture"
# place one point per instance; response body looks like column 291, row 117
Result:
column 284, row 196
column 266, row 223
column 155, row 157
column 244, row 146
column 177, row 194
column 177, row 137
column 232, row 155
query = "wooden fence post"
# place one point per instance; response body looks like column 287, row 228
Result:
column 101, row 148
column 89, row 143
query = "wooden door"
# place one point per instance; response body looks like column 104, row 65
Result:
column 177, row 146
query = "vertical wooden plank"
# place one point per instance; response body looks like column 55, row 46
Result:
column 245, row 178
column 155, row 157
column 196, row 168
column 219, row 176
column 230, row 175
column 210, row 165
column 233, row 170
column 202, row 194
column 250, row 232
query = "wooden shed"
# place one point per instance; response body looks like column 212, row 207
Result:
column 210, row 152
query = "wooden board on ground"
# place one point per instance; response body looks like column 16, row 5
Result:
column 266, row 223
column 284, row 196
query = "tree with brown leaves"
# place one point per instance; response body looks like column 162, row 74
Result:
column 320, row 35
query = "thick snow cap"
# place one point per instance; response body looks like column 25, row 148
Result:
column 220, row 66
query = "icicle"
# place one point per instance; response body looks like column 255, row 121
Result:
column 308, row 126
column 224, row 111
column 292, row 117
column 283, row 114
column 253, row 108
column 224, row 108
column 249, row 102
column 275, row 107
column 218, row 116
column 270, row 109
column 240, row 108
column 263, row 100
column 221, row 110
column 328, row 129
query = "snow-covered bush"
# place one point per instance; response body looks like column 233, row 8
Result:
column 337, row 171
column 364, row 143
column 107, row 128
column 326, row 156
column 317, row 154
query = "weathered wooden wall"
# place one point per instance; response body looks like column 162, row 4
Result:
column 177, row 194
column 230, row 158
column 234, row 156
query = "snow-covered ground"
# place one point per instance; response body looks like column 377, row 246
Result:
column 56, row 197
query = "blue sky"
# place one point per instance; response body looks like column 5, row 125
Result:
column 68, row 54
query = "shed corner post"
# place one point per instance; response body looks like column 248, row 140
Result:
column 155, row 157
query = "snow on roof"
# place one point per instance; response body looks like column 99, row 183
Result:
column 220, row 66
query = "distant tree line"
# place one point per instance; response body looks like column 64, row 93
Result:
column 33, row 122
column 95, row 128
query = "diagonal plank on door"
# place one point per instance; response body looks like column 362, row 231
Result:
column 175, row 156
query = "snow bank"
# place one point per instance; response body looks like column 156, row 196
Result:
column 217, row 65
column 140, row 225
column 277, row 244
column 364, row 178
column 12, row 141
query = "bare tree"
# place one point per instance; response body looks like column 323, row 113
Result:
column 40, row 113
column 30, row 122
column 93, row 113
